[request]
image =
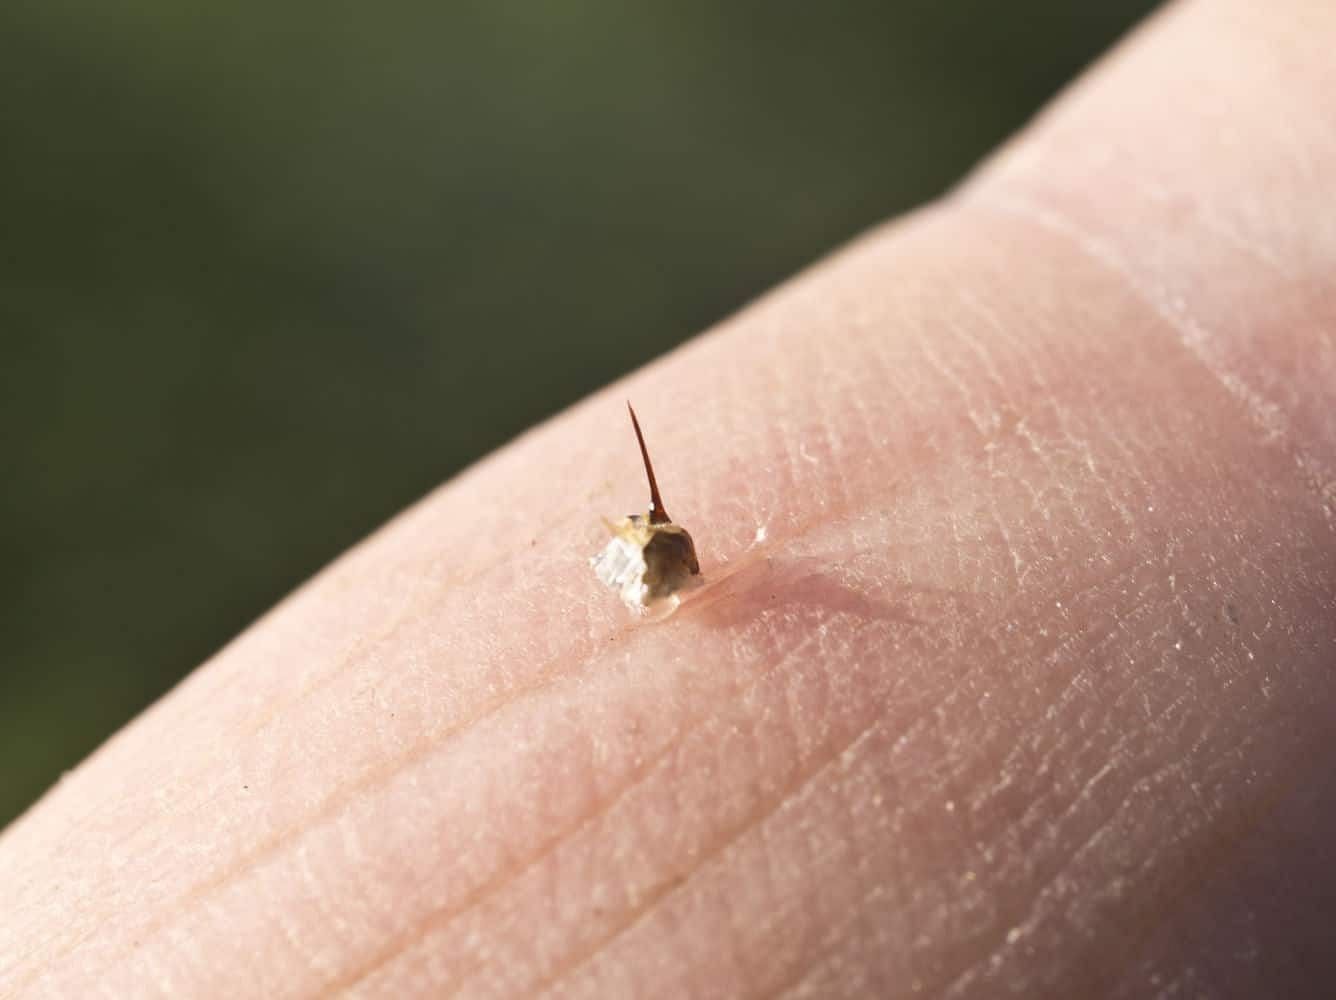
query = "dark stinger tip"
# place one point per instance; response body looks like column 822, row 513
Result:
column 657, row 514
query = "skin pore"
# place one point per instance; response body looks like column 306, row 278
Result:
column 1012, row 671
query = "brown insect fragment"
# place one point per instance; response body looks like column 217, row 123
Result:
column 649, row 559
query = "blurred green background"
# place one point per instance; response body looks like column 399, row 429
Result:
column 272, row 272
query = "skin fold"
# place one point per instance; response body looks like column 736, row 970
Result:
column 1012, row 671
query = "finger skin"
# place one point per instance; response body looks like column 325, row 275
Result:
column 1013, row 671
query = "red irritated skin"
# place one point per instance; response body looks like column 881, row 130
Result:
column 1014, row 673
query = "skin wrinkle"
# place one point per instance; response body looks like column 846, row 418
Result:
column 151, row 774
column 350, row 978
column 853, row 914
column 985, row 361
column 1265, row 415
column 333, row 804
column 266, row 847
column 1105, row 432
column 844, row 762
column 834, row 497
column 1292, row 943
column 1270, row 195
column 1175, row 765
column 355, row 656
column 219, row 677
column 673, row 885
column 1217, row 225
column 673, row 881
column 1036, row 807
column 1004, row 937
column 1101, row 832
column 791, row 982
column 1178, row 702
column 775, row 886
column 679, row 883
column 235, row 868
column 1023, row 356
column 1135, row 785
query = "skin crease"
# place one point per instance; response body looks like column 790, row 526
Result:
column 1013, row 672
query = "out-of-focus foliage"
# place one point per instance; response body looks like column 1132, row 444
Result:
column 272, row 271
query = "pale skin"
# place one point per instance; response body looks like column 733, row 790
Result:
column 1013, row 670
